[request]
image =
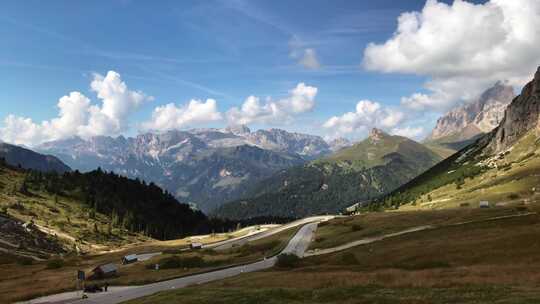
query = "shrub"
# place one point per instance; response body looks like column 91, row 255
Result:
column 322, row 224
column 24, row 261
column 179, row 262
column 319, row 239
column 513, row 196
column 172, row 251
column 286, row 260
column 348, row 258
column 356, row 227
column 521, row 209
column 17, row 206
column 55, row 264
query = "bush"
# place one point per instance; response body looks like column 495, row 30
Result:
column 356, row 227
column 286, row 260
column 319, row 239
column 248, row 249
column 322, row 224
column 172, row 251
column 179, row 262
column 24, row 261
column 348, row 258
column 55, row 264
column 513, row 196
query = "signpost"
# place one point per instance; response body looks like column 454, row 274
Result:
column 81, row 277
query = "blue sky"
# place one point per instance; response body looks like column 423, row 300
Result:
column 176, row 51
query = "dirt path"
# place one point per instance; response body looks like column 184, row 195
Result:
column 403, row 232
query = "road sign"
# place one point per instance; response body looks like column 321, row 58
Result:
column 80, row 275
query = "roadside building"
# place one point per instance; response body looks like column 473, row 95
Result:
column 196, row 246
column 105, row 271
column 128, row 259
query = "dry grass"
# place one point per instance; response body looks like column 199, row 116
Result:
column 343, row 230
column 487, row 262
column 16, row 278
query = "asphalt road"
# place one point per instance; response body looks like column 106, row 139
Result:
column 297, row 245
column 243, row 240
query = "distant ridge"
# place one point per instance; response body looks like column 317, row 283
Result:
column 28, row 159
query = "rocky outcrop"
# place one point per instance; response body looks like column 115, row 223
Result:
column 376, row 135
column 339, row 143
column 521, row 116
column 480, row 116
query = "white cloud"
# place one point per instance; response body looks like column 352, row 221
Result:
column 309, row 60
column 301, row 99
column 170, row 116
column 306, row 57
column 410, row 132
column 462, row 48
column 368, row 114
column 77, row 116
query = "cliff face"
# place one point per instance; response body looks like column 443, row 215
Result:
column 480, row 116
column 521, row 116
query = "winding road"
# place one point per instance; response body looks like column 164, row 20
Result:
column 297, row 245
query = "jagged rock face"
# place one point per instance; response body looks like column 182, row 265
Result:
column 339, row 143
column 480, row 116
column 521, row 116
column 203, row 166
column 376, row 135
column 308, row 146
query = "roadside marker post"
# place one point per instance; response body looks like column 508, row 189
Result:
column 81, row 277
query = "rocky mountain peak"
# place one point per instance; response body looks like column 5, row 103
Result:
column 238, row 129
column 479, row 116
column 521, row 116
column 376, row 134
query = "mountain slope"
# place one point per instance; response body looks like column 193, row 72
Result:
column 97, row 210
column 463, row 125
column 203, row 166
column 366, row 170
column 28, row 159
column 502, row 166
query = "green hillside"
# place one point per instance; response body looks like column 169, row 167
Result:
column 362, row 172
column 501, row 167
column 96, row 211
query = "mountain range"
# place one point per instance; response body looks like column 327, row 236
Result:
column 205, row 167
column 364, row 171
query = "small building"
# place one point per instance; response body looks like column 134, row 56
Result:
column 128, row 259
column 196, row 245
column 484, row 204
column 105, row 271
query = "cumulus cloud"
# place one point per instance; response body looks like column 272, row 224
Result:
column 462, row 48
column 366, row 115
column 78, row 116
column 170, row 116
column 301, row 99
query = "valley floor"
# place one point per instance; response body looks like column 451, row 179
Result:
column 473, row 256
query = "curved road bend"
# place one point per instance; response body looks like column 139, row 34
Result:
column 227, row 244
column 297, row 245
